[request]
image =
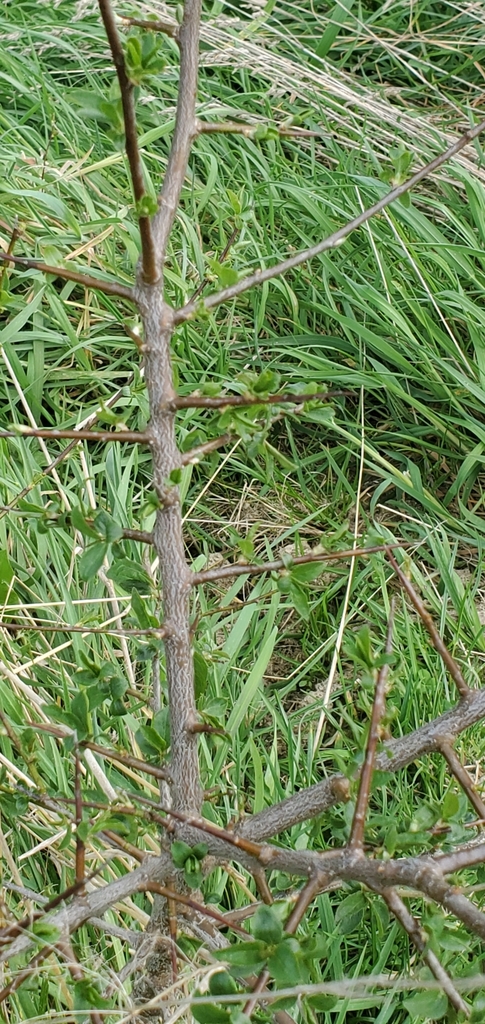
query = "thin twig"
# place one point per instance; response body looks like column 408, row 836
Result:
column 250, row 130
column 78, row 809
column 356, row 840
column 224, row 254
column 11, row 931
column 149, row 261
column 260, row 276
column 395, row 755
column 201, row 908
column 194, row 455
column 15, row 234
column 196, row 401
column 76, row 971
column 69, row 447
column 185, row 127
column 153, row 631
column 238, row 569
column 111, row 755
column 419, row 938
column 94, row 283
column 462, row 777
column 306, row 896
column 438, row 643
column 53, row 434
column 167, row 27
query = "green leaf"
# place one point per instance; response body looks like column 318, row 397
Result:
column 299, row 600
column 450, row 806
column 267, row 925
column 147, row 206
column 139, row 609
column 283, row 964
column 322, row 1002
column 45, row 932
column 349, row 913
column 150, row 742
column 200, row 850
column 201, row 675
column 79, row 523
column 87, row 997
column 107, row 528
column 91, row 560
column 79, row 709
column 427, row 1005
column 307, row 572
column 210, row 1014
column 6, row 577
column 130, row 576
column 243, row 958
column 222, row 984
column 314, row 947
column 225, row 274
column 192, row 873
column 180, row 851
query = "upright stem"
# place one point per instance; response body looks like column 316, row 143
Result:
column 169, row 545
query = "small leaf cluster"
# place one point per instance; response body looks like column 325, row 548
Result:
column 189, row 860
column 294, row 582
column 401, row 160
column 142, row 57
column 103, row 531
column 106, row 109
column 154, row 739
column 286, row 958
column 96, row 684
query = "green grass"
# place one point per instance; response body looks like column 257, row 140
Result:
column 394, row 318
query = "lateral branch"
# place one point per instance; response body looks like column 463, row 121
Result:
column 149, row 261
column 95, row 283
column 426, row 618
column 196, row 401
column 239, row 569
column 188, row 311
column 54, row 434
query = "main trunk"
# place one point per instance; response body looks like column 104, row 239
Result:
column 169, row 544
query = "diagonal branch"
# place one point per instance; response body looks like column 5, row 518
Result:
column 438, row 643
column 238, row 569
column 411, row 926
column 185, row 127
column 95, row 283
column 190, row 310
column 149, row 263
column 463, row 778
column 395, row 754
column 194, row 455
column 356, row 840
